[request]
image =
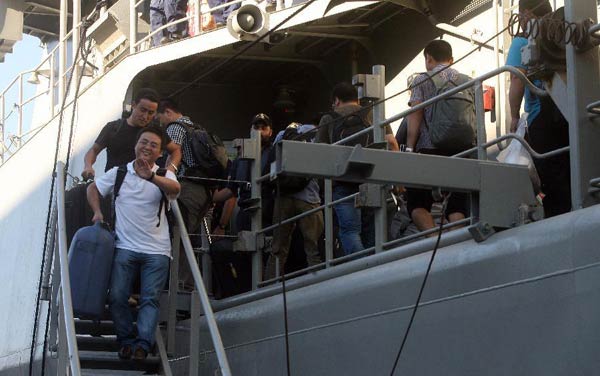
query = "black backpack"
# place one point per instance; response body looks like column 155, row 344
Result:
column 208, row 150
column 121, row 172
column 291, row 184
column 346, row 126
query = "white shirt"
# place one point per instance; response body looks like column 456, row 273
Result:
column 137, row 212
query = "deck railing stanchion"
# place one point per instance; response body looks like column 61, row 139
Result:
column 132, row 25
column 20, row 112
column 201, row 291
column 328, row 217
column 62, row 50
column 173, row 290
column 76, row 71
column 257, row 213
column 480, row 121
column 379, row 136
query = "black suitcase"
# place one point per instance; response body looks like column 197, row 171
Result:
column 232, row 271
column 90, row 264
column 78, row 213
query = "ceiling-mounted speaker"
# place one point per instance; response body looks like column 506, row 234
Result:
column 249, row 22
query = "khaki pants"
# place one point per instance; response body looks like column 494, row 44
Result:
column 311, row 227
column 194, row 201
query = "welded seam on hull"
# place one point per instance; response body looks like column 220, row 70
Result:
column 430, row 302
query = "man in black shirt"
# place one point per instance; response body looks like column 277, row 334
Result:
column 119, row 136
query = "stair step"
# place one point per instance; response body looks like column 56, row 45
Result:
column 91, row 343
column 105, row 372
column 94, row 328
column 110, row 361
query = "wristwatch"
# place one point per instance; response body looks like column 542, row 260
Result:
column 151, row 176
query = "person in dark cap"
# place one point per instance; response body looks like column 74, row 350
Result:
column 241, row 171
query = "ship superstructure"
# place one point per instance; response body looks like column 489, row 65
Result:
column 508, row 294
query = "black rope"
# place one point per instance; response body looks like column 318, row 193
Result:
column 241, row 52
column 414, row 312
column 48, row 217
column 283, row 289
column 411, row 87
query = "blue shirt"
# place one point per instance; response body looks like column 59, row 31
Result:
column 532, row 102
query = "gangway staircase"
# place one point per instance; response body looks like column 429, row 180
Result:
column 86, row 347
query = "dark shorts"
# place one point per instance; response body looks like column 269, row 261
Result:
column 459, row 202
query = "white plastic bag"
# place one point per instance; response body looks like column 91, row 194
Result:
column 515, row 153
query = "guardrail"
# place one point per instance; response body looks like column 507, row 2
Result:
column 481, row 148
column 68, row 356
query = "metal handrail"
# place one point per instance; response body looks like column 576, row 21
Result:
column 65, row 280
column 593, row 31
column 199, row 284
column 535, row 90
column 594, row 107
column 306, row 213
column 520, row 139
column 186, row 18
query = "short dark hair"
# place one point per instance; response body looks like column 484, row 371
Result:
column 439, row 50
column 345, row 92
column 146, row 93
column 537, row 7
column 157, row 131
column 167, row 103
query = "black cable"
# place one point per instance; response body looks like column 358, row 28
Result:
column 283, row 290
column 48, row 218
column 414, row 312
column 411, row 87
column 241, row 52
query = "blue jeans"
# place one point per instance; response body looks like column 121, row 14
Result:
column 153, row 270
column 221, row 15
column 349, row 220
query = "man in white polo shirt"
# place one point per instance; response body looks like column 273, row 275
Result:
column 142, row 240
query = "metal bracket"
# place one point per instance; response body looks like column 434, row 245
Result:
column 355, row 166
column 249, row 241
column 369, row 196
column 481, row 231
column 247, row 148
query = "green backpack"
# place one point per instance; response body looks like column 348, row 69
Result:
column 452, row 125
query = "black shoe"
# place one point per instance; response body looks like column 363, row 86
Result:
column 125, row 352
column 139, row 354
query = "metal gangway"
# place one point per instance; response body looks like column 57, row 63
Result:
column 63, row 340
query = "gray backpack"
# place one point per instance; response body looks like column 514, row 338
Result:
column 452, row 126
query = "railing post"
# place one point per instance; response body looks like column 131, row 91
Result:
column 328, row 222
column 173, row 290
column 132, row 25
column 65, row 286
column 20, row 112
column 206, row 261
column 257, row 214
column 49, row 256
column 584, row 131
column 76, row 19
column 63, row 351
column 51, row 82
column 62, row 50
column 197, row 15
column 2, row 147
column 194, row 333
column 379, row 136
column 480, row 121
column 208, row 313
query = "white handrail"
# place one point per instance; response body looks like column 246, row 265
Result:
column 65, row 280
